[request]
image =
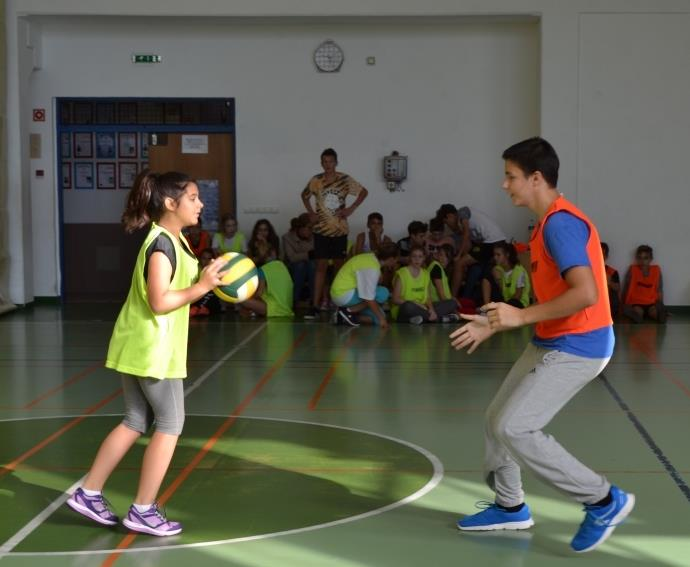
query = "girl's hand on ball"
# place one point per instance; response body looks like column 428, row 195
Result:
column 211, row 276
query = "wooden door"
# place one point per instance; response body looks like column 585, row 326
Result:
column 218, row 163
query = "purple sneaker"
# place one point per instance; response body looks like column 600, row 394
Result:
column 152, row 522
column 96, row 508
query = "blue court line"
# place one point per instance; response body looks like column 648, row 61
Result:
column 658, row 453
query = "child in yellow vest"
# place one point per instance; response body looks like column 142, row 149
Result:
column 412, row 294
column 149, row 348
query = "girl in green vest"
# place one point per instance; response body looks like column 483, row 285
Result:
column 509, row 281
column 273, row 297
column 412, row 294
column 149, row 348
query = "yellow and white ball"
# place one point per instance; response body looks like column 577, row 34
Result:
column 241, row 280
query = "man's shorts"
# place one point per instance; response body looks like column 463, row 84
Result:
column 330, row 247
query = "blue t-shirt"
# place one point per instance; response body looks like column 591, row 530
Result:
column 565, row 238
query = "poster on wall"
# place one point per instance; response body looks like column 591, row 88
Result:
column 83, row 145
column 66, row 174
column 127, row 144
column 83, row 175
column 105, row 175
column 127, row 174
column 209, row 192
column 105, row 145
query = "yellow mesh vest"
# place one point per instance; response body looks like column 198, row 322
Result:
column 411, row 288
column 143, row 343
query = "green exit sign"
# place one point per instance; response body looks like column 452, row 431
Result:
column 146, row 58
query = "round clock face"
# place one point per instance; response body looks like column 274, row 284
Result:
column 328, row 57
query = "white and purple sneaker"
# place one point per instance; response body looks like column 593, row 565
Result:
column 96, row 508
column 152, row 522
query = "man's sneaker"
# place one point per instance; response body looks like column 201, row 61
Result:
column 416, row 320
column 493, row 517
column 312, row 313
column 600, row 521
column 152, row 522
column 347, row 317
column 96, row 508
column 452, row 318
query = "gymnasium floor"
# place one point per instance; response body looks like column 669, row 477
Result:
column 308, row 444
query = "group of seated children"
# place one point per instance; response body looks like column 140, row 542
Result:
column 426, row 277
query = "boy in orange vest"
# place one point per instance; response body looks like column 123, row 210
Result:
column 643, row 289
column 572, row 344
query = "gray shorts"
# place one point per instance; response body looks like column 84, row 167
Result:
column 149, row 400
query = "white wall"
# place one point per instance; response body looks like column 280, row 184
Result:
column 633, row 137
column 450, row 95
column 589, row 77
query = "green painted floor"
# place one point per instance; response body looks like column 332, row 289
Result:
column 308, row 444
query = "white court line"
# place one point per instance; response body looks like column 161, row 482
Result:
column 428, row 487
column 33, row 524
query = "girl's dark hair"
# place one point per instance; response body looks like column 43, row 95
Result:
column 510, row 251
column 146, row 199
column 225, row 218
column 417, row 247
column 272, row 238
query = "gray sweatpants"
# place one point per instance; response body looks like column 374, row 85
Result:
column 538, row 385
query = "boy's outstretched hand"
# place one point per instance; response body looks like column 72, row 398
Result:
column 471, row 334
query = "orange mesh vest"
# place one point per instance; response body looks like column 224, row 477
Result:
column 643, row 290
column 548, row 283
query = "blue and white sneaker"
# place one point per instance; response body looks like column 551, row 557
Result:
column 600, row 521
column 493, row 517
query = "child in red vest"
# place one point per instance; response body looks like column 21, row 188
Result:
column 643, row 289
column 613, row 281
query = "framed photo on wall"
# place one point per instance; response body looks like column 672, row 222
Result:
column 127, row 144
column 83, row 175
column 66, row 174
column 127, row 174
column 105, row 145
column 105, row 175
column 83, row 145
column 66, row 145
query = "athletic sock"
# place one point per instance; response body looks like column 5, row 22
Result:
column 604, row 501
column 91, row 492
column 141, row 508
column 511, row 508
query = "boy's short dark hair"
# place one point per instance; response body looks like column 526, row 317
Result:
column 436, row 224
column 415, row 227
column 446, row 209
column 535, row 154
column 644, row 249
column 605, row 248
column 375, row 216
column 330, row 152
column 387, row 250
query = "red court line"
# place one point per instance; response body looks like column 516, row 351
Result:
column 649, row 353
column 329, row 374
column 9, row 467
column 187, row 470
column 72, row 380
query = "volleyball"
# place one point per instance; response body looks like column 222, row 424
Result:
column 240, row 281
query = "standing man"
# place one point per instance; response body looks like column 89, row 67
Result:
column 572, row 344
column 330, row 190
